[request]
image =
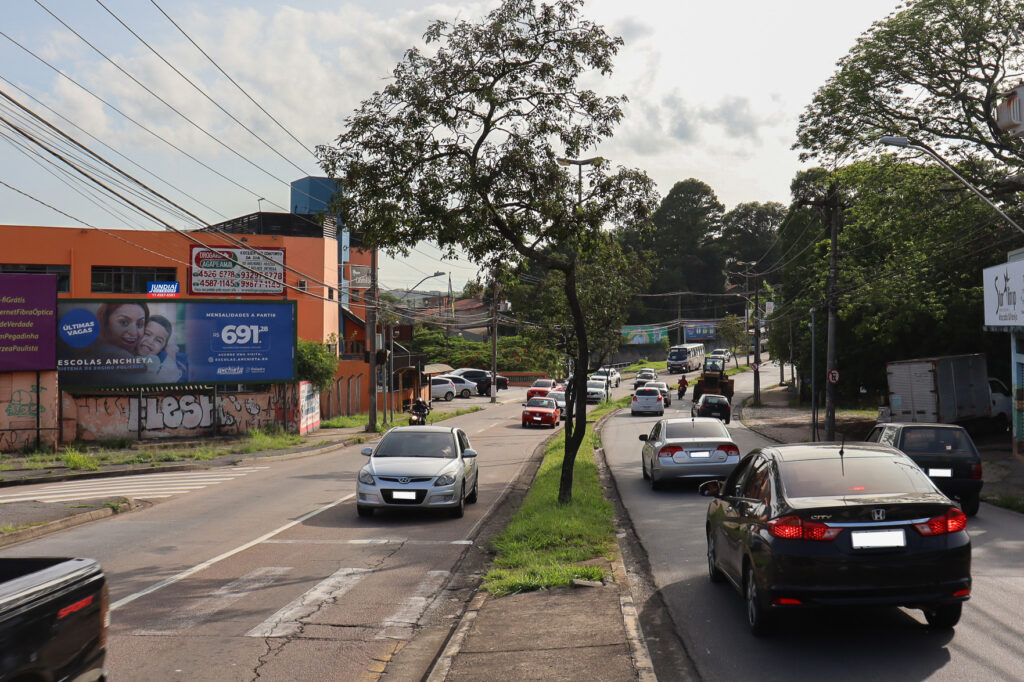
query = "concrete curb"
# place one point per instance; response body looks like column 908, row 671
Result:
column 443, row 664
column 128, row 504
column 641, row 656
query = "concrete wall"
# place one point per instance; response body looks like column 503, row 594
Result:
column 28, row 402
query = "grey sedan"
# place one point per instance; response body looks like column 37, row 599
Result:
column 419, row 467
column 695, row 448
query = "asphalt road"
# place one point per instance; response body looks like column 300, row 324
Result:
column 272, row 575
column 883, row 644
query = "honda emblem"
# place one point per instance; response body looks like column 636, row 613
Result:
column 878, row 514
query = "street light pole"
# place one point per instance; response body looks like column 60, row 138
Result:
column 900, row 141
column 580, row 163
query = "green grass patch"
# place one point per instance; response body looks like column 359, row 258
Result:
column 545, row 543
column 345, row 422
column 265, row 439
column 1006, row 501
column 73, row 459
column 401, row 419
column 640, row 364
column 11, row 529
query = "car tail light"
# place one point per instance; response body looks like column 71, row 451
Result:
column 730, row 449
column 795, row 528
column 634, row 399
column 786, row 601
column 961, row 593
column 669, row 450
column 659, row 398
column 952, row 521
column 976, row 470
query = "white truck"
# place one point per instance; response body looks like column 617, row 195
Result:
column 945, row 390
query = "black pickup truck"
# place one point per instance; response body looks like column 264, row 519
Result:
column 53, row 620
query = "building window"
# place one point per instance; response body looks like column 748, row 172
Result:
column 63, row 273
column 115, row 279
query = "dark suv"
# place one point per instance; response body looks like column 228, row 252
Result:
column 482, row 378
column 944, row 451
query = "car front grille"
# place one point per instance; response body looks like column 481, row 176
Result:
column 410, row 479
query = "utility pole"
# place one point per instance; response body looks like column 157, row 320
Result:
column 679, row 318
column 494, row 342
column 757, row 339
column 814, row 384
column 832, row 206
column 371, row 342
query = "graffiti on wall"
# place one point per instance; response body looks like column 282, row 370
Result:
column 179, row 415
column 27, row 402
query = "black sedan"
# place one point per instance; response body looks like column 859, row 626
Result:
column 824, row 524
column 943, row 451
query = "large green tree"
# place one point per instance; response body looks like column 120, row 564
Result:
column 460, row 148
column 932, row 70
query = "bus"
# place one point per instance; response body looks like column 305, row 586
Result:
column 685, row 357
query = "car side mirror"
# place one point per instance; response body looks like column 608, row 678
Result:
column 524, row 404
column 643, row 436
column 469, row 452
column 367, row 451
column 711, row 488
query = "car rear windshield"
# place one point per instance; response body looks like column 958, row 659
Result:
column 699, row 429
column 540, row 402
column 556, row 395
column 835, row 477
column 715, row 400
column 416, row 444
column 648, row 392
column 920, row 440
column 543, row 383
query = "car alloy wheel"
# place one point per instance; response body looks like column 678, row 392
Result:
column 714, row 574
column 757, row 613
column 448, row 396
column 465, row 393
column 474, row 493
column 643, row 467
column 460, row 510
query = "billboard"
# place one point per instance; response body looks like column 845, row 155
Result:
column 134, row 342
column 701, row 331
column 1004, row 294
column 28, row 305
column 641, row 335
column 212, row 273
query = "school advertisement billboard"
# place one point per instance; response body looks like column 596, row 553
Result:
column 28, row 305
column 133, row 342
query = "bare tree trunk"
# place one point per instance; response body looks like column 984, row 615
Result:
column 574, row 439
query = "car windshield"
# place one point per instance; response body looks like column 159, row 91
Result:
column 714, row 364
column 416, row 444
column 696, row 429
column 556, row 395
column 936, row 441
column 835, row 477
column 677, row 354
column 540, row 402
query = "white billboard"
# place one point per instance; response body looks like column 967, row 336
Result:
column 212, row 273
column 1004, row 294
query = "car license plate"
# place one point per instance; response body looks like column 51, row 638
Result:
column 536, row 419
column 940, row 473
column 404, row 495
column 700, row 454
column 870, row 539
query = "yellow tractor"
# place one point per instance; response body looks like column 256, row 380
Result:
column 713, row 379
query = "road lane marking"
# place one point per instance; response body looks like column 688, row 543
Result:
column 368, row 541
column 399, row 624
column 186, row 619
column 288, row 620
column 230, row 553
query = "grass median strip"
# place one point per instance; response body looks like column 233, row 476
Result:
column 547, row 544
column 400, row 419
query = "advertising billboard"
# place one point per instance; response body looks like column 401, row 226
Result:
column 1004, row 294
column 133, row 342
column 642, row 335
column 212, row 273
column 28, row 307
column 701, row 331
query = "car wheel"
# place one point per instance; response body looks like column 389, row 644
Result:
column 970, row 503
column 448, row 396
column 943, row 617
column 662, row 413
column 363, row 510
column 643, row 467
column 460, row 510
column 758, row 618
column 726, row 421
column 465, row 393
column 525, row 425
column 655, row 483
column 714, row 574
column 473, row 494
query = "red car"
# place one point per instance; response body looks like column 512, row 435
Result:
column 541, row 412
column 540, row 388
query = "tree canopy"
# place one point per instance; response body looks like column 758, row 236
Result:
column 461, row 148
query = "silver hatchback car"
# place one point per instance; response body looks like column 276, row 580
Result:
column 698, row 448
column 419, row 467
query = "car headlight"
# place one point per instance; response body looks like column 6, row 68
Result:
column 445, row 479
column 366, row 477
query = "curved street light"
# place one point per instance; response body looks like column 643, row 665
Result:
column 900, row 141
column 413, row 287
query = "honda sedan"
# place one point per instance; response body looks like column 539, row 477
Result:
column 694, row 448
column 828, row 524
column 418, row 467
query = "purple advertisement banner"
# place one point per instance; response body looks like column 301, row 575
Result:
column 28, row 322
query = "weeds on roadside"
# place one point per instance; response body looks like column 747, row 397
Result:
column 1007, row 501
column 74, row 459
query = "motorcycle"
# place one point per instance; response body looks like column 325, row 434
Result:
column 418, row 418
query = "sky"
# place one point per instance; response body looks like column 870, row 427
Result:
column 715, row 92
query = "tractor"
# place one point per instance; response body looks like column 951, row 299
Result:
column 713, row 379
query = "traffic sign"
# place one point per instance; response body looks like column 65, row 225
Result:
column 833, row 376
column 754, row 366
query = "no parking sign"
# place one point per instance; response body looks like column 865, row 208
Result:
column 833, row 376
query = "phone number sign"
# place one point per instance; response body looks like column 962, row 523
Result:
column 225, row 270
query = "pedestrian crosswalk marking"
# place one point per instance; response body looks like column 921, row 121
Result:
column 289, row 619
column 144, row 486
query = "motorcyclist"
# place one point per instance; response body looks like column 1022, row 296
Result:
column 420, row 409
column 682, row 387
